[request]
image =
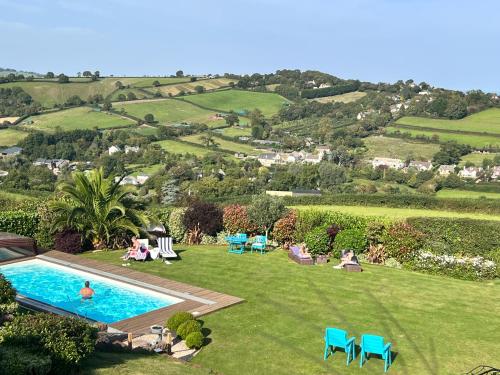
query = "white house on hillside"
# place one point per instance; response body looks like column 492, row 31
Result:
column 113, row 150
column 388, row 162
column 131, row 149
column 470, row 172
column 421, row 165
column 446, row 170
column 495, row 172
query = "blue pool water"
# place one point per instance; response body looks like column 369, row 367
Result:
column 59, row 286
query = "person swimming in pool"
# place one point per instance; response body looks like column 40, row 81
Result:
column 87, row 292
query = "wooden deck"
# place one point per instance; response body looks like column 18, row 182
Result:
column 197, row 300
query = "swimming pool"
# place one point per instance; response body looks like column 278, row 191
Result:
column 59, row 286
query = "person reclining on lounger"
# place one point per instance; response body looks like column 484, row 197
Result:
column 347, row 257
column 303, row 250
column 133, row 250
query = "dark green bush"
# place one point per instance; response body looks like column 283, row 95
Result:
column 177, row 319
column 16, row 360
column 66, row 340
column 458, row 236
column 351, row 239
column 7, row 292
column 23, row 223
column 317, row 241
column 194, row 340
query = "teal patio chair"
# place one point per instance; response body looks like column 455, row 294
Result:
column 260, row 243
column 237, row 243
column 372, row 344
column 337, row 338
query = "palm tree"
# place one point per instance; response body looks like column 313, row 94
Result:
column 99, row 208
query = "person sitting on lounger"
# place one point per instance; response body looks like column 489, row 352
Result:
column 347, row 257
column 87, row 292
column 303, row 250
column 132, row 250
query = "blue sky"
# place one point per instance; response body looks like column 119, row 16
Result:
column 452, row 44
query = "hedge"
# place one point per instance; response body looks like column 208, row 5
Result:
column 458, row 236
column 19, row 222
column 399, row 200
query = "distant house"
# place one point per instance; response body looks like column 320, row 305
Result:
column 364, row 114
column 3, row 173
column 11, row 151
column 323, row 150
column 470, row 172
column 446, row 170
column 266, row 142
column 55, row 165
column 424, row 92
column 495, row 172
column 324, row 85
column 142, row 178
column 313, row 158
column 421, row 165
column 267, row 159
column 113, row 150
column 388, row 163
column 293, row 193
column 240, row 155
column 131, row 149
column 311, row 83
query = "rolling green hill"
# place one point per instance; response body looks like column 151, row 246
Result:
column 379, row 146
column 76, row 118
column 169, row 111
column 239, row 100
column 189, row 87
column 11, row 136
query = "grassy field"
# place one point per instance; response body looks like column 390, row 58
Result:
column 344, row 98
column 399, row 212
column 452, row 193
column 473, row 140
column 476, row 158
column 188, row 87
column 379, row 146
column 176, row 147
column 235, row 132
column 138, row 93
column 11, row 136
column 279, row 328
column 148, row 81
column 170, row 111
column 487, row 121
column 239, row 100
column 146, row 130
column 223, row 144
column 77, row 118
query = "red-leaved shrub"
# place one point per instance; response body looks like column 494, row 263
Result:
column 402, row 241
column 205, row 217
column 284, row 229
column 236, row 219
column 68, row 241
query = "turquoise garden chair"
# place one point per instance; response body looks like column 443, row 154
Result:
column 260, row 243
column 372, row 344
column 337, row 338
column 237, row 243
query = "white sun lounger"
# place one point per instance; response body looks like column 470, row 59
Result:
column 165, row 245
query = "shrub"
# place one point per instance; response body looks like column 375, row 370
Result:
column 402, row 241
column 68, row 241
column 176, row 225
column 205, row 216
column 375, row 232
column 467, row 268
column 284, row 228
column 194, row 340
column 317, row 241
column 188, row 327
column 393, row 263
column 494, row 255
column 44, row 237
column 16, row 360
column 352, row 239
column 235, row 219
column 177, row 319
column 23, row 223
column 265, row 211
column 208, row 240
column 7, row 292
column 376, row 253
column 332, row 232
column 458, row 236
column 66, row 340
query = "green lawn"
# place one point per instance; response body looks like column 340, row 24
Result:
column 437, row 325
column 223, row 144
column 137, row 364
column 168, row 111
column 176, row 147
column 236, row 132
column 485, row 121
column 77, row 118
column 452, row 193
column 398, row 212
column 380, row 146
column 11, row 136
column 239, row 100
column 344, row 98
column 473, row 140
column 476, row 158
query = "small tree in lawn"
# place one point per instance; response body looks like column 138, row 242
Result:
column 265, row 211
column 156, row 83
column 232, row 118
column 149, row 118
column 199, row 89
column 107, row 105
